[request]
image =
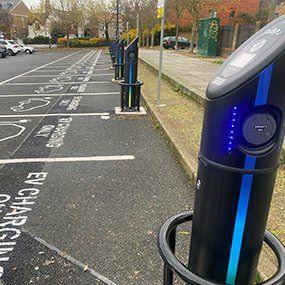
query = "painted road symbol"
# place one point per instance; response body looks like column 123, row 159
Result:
column 49, row 89
column 31, row 104
column 14, row 129
column 61, row 79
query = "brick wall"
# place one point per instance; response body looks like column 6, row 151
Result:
column 225, row 7
column 20, row 16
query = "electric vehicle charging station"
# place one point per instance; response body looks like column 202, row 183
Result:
column 131, row 87
column 119, row 65
column 241, row 144
column 113, row 52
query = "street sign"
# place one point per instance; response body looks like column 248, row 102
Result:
column 160, row 8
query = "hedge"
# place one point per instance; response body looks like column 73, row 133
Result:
column 84, row 42
column 40, row 40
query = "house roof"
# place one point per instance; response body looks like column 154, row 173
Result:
column 9, row 4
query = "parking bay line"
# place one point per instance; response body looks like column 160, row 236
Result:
column 53, row 83
column 77, row 75
column 35, row 69
column 68, row 159
column 69, row 258
column 59, row 94
column 55, row 115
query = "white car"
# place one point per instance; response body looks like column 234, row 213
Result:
column 26, row 49
column 11, row 47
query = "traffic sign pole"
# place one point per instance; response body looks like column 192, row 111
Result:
column 160, row 15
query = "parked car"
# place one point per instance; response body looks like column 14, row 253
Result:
column 3, row 51
column 26, row 49
column 170, row 43
column 11, row 47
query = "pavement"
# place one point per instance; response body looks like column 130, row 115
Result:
column 83, row 193
column 190, row 75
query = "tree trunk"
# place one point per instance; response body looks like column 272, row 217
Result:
column 152, row 38
column 177, row 35
column 193, row 35
column 68, row 40
column 107, row 31
column 148, row 40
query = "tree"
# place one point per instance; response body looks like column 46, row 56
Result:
column 92, row 19
column 70, row 13
column 177, row 7
column 197, row 9
column 41, row 13
column 106, row 14
column 6, row 23
column 143, row 11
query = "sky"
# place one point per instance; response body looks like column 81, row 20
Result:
column 29, row 3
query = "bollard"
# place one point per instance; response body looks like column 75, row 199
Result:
column 241, row 144
column 113, row 52
column 119, row 65
column 131, row 87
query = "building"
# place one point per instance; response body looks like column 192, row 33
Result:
column 14, row 17
column 36, row 29
column 228, row 10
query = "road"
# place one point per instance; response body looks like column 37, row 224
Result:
column 83, row 192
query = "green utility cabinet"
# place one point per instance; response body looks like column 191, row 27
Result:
column 208, row 36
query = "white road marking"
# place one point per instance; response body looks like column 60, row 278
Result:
column 59, row 94
column 35, row 69
column 102, row 69
column 55, row 115
column 67, row 159
column 52, row 75
column 71, row 259
column 62, row 83
column 15, row 124
column 24, row 105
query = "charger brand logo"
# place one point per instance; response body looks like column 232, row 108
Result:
column 219, row 80
column 258, row 45
column 31, row 104
column 10, row 130
column 273, row 31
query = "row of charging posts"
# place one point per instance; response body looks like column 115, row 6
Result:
column 242, row 139
column 125, row 62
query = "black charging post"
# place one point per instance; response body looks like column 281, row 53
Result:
column 242, row 138
column 131, row 87
column 119, row 65
column 113, row 52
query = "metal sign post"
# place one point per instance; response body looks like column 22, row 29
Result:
column 160, row 15
column 128, row 33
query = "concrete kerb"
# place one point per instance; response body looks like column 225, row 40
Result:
column 188, row 161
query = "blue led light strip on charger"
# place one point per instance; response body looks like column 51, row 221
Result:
column 246, row 185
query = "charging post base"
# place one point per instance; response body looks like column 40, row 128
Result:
column 167, row 244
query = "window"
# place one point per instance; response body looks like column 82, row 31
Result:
column 214, row 14
column 232, row 14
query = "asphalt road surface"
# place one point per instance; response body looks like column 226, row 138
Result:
column 83, row 192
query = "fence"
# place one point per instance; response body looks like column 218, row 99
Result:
column 232, row 36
